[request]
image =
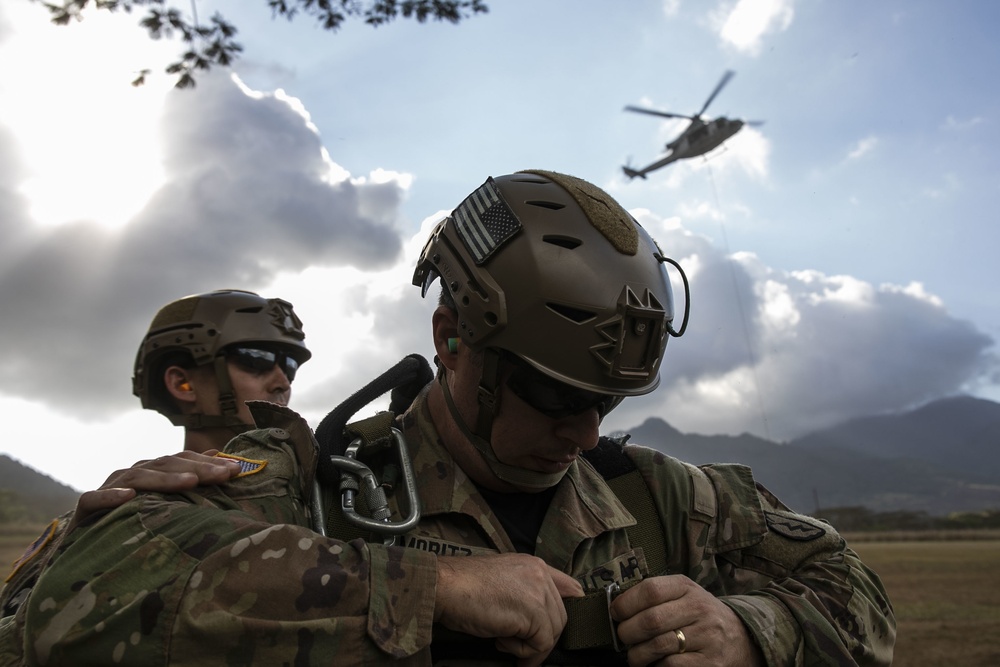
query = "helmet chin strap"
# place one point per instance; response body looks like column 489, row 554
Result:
column 488, row 391
column 196, row 422
column 227, row 405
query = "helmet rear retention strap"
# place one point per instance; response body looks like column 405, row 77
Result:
column 489, row 383
column 227, row 397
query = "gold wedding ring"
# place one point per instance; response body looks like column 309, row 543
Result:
column 681, row 641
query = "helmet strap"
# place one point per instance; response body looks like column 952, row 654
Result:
column 227, row 405
column 227, row 397
column 520, row 477
column 196, row 422
column 488, row 393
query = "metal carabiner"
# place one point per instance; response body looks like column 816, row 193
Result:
column 378, row 506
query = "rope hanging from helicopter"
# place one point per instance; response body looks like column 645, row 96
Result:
column 739, row 302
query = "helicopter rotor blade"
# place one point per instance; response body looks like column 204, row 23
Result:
column 654, row 112
column 725, row 79
column 753, row 123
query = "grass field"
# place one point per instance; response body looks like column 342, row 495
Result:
column 946, row 595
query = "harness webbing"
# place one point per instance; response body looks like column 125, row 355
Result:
column 587, row 625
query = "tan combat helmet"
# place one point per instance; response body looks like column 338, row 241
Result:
column 549, row 268
column 195, row 331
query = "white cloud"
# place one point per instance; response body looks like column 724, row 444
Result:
column 89, row 139
column 782, row 353
column 862, row 147
column 701, row 210
column 671, row 7
column 744, row 24
column 953, row 123
column 246, row 195
column 950, row 186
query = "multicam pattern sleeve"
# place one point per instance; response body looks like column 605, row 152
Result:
column 230, row 575
column 804, row 595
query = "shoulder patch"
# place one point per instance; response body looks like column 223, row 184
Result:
column 793, row 528
column 33, row 549
column 247, row 466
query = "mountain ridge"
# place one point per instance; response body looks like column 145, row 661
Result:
column 30, row 496
column 884, row 463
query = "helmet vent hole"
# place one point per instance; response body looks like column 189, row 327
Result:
column 491, row 319
column 567, row 242
column 551, row 205
column 252, row 309
column 572, row 314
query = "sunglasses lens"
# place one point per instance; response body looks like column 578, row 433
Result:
column 290, row 367
column 262, row 361
column 555, row 399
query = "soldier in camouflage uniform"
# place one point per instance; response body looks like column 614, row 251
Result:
column 202, row 358
column 205, row 355
column 555, row 306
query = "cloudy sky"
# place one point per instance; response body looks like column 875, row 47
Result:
column 841, row 255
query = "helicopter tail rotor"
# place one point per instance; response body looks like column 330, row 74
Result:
column 632, row 173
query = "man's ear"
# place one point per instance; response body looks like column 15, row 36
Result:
column 446, row 339
column 178, row 382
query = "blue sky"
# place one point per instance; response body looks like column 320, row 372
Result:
column 841, row 254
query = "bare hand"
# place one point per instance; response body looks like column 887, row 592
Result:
column 651, row 612
column 515, row 598
column 177, row 472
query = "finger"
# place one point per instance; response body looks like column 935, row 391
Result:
column 96, row 501
column 668, row 643
column 648, row 593
column 176, row 473
column 567, row 586
column 111, row 481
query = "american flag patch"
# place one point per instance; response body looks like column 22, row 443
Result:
column 485, row 222
column 247, row 466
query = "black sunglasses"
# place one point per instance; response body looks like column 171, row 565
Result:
column 262, row 361
column 551, row 397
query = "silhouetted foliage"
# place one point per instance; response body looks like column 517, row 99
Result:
column 862, row 519
column 214, row 43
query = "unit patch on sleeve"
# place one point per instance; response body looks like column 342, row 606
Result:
column 793, row 528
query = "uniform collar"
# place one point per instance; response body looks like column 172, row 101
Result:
column 584, row 505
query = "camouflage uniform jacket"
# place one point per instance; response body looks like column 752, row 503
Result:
column 234, row 575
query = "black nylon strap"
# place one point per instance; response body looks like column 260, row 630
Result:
column 588, row 625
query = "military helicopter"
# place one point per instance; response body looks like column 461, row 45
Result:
column 698, row 138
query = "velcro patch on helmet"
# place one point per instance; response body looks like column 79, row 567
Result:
column 793, row 528
column 605, row 214
column 485, row 222
column 247, row 466
column 33, row 549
